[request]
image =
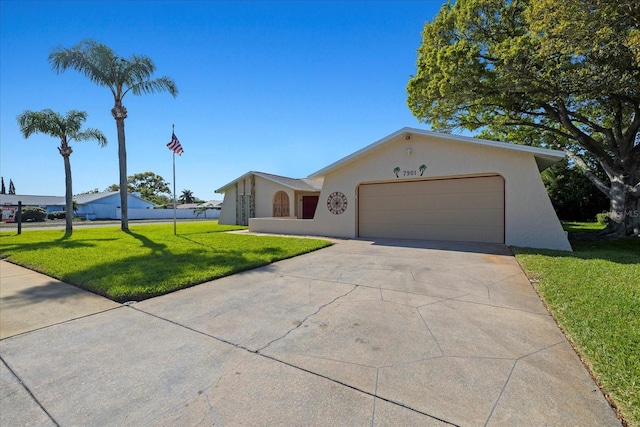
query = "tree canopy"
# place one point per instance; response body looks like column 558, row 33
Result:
column 558, row 74
column 151, row 187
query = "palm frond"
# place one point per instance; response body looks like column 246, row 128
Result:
column 91, row 134
column 90, row 58
column 161, row 84
column 47, row 122
column 65, row 128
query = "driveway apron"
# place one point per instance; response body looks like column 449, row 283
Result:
column 363, row 333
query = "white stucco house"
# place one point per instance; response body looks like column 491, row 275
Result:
column 412, row 184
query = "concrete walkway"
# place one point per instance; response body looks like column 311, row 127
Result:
column 384, row 333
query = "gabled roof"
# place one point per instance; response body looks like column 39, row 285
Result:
column 544, row 157
column 29, row 200
column 92, row 197
column 84, row 199
column 304, row 184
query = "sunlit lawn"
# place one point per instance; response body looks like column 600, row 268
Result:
column 582, row 227
column 594, row 294
column 150, row 260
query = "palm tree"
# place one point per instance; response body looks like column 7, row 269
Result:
column 66, row 128
column 187, row 196
column 121, row 75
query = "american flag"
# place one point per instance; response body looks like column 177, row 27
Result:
column 174, row 145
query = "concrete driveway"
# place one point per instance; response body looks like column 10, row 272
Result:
column 363, row 333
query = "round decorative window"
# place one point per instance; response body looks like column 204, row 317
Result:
column 337, row 203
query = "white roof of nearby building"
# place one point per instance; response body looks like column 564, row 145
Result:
column 81, row 199
column 213, row 204
column 544, row 157
column 300, row 184
column 30, row 200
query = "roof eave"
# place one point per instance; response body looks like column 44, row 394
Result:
column 544, row 156
column 264, row 176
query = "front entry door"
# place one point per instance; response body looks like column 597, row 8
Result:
column 309, row 204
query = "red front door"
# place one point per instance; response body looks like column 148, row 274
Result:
column 309, row 204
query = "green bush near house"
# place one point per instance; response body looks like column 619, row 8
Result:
column 594, row 294
column 57, row 215
column 32, row 213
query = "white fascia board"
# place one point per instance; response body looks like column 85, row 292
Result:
column 544, row 157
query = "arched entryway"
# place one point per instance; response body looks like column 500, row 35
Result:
column 281, row 204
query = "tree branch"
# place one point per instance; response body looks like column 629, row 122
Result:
column 582, row 138
column 589, row 173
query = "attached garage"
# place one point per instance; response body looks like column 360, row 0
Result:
column 416, row 184
column 463, row 209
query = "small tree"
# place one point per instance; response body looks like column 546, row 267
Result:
column 12, row 188
column 151, row 187
column 187, row 197
column 65, row 128
column 3, row 190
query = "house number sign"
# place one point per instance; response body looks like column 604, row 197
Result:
column 412, row 172
column 337, row 203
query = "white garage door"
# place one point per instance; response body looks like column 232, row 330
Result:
column 462, row 209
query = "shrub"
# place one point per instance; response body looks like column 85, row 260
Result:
column 603, row 218
column 32, row 213
column 57, row 215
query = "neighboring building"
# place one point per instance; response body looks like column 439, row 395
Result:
column 211, row 204
column 412, row 184
column 92, row 206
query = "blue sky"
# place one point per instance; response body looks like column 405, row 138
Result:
column 279, row 87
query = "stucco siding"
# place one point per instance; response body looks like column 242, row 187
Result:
column 263, row 199
column 265, row 190
column 228, row 211
column 529, row 217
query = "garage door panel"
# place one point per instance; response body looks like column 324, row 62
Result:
column 465, row 209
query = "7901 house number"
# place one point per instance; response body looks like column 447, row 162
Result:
column 413, row 172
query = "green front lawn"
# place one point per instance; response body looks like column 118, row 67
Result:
column 150, row 260
column 594, row 294
column 582, row 227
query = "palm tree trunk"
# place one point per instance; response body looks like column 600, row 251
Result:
column 119, row 113
column 68, row 215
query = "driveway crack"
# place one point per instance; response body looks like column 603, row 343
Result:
column 306, row 318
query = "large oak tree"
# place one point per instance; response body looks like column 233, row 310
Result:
column 558, row 74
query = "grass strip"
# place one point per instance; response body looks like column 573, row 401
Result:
column 594, row 294
column 149, row 260
column 583, row 227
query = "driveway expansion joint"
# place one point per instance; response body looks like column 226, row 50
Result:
column 306, row 318
column 374, row 395
column 28, row 390
column 272, row 358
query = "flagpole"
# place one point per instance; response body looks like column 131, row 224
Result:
column 174, row 185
